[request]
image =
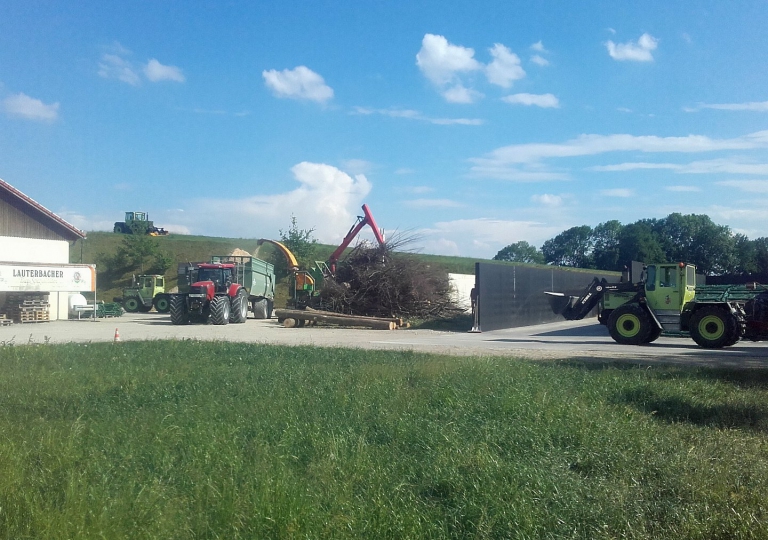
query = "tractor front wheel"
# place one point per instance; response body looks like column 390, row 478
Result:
column 178, row 310
column 713, row 327
column 630, row 324
column 239, row 311
column 162, row 304
column 220, row 309
column 131, row 305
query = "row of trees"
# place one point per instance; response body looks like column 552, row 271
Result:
column 714, row 249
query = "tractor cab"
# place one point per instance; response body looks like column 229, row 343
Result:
column 219, row 274
column 670, row 286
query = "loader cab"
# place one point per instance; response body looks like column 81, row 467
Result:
column 670, row 286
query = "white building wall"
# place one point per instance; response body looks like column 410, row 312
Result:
column 461, row 285
column 32, row 250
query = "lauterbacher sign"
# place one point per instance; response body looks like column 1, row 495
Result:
column 17, row 277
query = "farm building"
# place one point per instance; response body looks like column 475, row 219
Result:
column 36, row 278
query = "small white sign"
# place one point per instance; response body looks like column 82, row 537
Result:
column 22, row 277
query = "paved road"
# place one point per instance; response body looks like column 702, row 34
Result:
column 584, row 340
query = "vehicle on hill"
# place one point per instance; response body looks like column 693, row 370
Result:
column 146, row 291
column 221, row 291
column 666, row 300
column 138, row 223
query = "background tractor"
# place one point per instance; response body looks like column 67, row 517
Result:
column 138, row 223
column 146, row 291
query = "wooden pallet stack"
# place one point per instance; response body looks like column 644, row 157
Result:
column 28, row 307
column 4, row 320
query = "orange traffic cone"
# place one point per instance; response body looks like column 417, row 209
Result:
column 117, row 335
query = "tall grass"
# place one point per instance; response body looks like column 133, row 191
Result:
column 184, row 439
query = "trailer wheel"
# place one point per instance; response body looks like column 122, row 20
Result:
column 713, row 327
column 178, row 310
column 261, row 309
column 220, row 310
column 162, row 304
column 131, row 305
column 630, row 324
column 239, row 312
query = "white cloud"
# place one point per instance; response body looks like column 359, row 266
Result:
column 710, row 166
column 410, row 114
column 749, row 186
column 298, row 83
column 639, row 51
column 539, row 60
column 618, row 192
column 548, row 200
column 326, row 199
column 538, row 47
column 505, row 67
column 432, row 203
column 539, row 100
column 356, row 166
column 755, row 106
column 113, row 66
column 482, row 237
column 524, row 162
column 440, row 61
column 155, row 72
column 23, row 106
column 460, row 94
column 683, row 189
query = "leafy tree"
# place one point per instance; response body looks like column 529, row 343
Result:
column 137, row 254
column 301, row 242
column 572, row 247
column 521, row 252
column 639, row 242
column 697, row 239
column 607, row 243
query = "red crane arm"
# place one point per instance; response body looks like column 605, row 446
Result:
column 362, row 221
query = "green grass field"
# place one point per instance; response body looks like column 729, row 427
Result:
column 184, row 439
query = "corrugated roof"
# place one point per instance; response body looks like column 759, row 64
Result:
column 37, row 207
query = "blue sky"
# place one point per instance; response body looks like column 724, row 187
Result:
column 471, row 124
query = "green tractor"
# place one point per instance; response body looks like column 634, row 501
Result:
column 146, row 292
column 666, row 300
column 138, row 223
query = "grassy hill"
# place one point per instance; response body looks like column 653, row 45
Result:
column 187, row 248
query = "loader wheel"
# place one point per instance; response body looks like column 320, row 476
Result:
column 178, row 309
column 239, row 311
column 220, row 310
column 162, row 304
column 131, row 305
column 713, row 327
column 261, row 309
column 630, row 325
column 654, row 334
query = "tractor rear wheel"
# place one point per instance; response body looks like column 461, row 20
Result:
column 220, row 310
column 630, row 324
column 261, row 309
column 178, row 310
column 713, row 327
column 162, row 303
column 131, row 305
column 239, row 311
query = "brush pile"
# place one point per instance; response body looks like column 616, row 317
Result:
column 377, row 282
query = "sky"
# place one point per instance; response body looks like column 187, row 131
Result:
column 467, row 125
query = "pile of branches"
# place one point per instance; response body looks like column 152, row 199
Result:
column 377, row 282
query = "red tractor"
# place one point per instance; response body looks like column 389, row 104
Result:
column 213, row 296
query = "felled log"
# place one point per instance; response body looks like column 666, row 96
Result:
column 294, row 317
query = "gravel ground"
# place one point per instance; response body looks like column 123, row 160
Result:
column 581, row 340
